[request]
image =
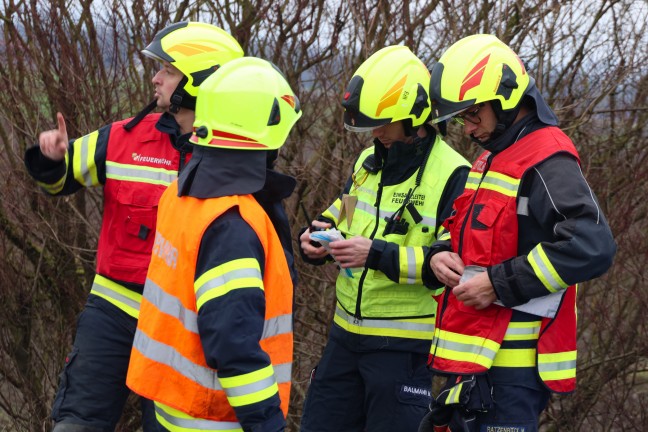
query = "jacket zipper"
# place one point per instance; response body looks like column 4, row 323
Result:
column 358, row 314
column 472, row 203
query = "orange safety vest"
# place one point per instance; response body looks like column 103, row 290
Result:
column 484, row 232
column 167, row 362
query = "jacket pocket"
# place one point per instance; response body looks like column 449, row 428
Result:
column 136, row 215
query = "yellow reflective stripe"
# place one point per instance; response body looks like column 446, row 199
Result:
column 138, row 173
column 473, row 180
column 453, row 395
column 498, row 182
column 544, row 270
column 177, row 421
column 458, row 347
column 501, row 183
column 419, row 328
column 120, row 296
column 517, row 357
column 250, row 388
column 522, row 331
column 437, row 292
column 556, row 366
column 83, row 163
column 444, row 235
column 333, row 212
column 410, row 261
column 54, row 188
column 235, row 274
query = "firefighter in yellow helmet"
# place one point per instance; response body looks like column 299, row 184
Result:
column 372, row 375
column 213, row 347
column 134, row 160
column 525, row 231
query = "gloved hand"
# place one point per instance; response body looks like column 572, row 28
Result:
column 437, row 419
column 427, row 424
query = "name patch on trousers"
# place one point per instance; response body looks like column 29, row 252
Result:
column 414, row 395
column 486, row 428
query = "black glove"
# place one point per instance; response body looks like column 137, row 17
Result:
column 437, row 419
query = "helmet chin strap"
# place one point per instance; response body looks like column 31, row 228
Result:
column 181, row 99
column 504, row 121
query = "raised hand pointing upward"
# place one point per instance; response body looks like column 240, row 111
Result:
column 54, row 143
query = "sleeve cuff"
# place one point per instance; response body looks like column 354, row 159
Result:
column 375, row 253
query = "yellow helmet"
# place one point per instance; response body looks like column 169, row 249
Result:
column 246, row 105
column 390, row 86
column 197, row 50
column 477, row 69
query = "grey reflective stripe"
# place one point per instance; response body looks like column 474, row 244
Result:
column 227, row 277
column 523, row 206
column 244, row 390
column 167, row 355
column 282, row 372
column 87, row 178
column 199, row 424
column 170, row 305
column 384, row 324
column 369, row 208
column 473, row 180
column 429, row 221
column 464, row 348
column 137, row 173
column 366, row 207
column 108, row 292
column 555, row 284
column 518, row 331
column 276, row 326
column 411, row 265
column 334, row 211
column 556, row 366
column 491, row 180
column 203, row 376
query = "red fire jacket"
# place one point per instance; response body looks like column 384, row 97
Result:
column 484, row 232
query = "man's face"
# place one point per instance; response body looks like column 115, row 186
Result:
column 165, row 82
column 479, row 121
column 390, row 133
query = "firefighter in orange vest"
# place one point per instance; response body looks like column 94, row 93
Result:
column 134, row 160
column 213, row 347
column 525, row 231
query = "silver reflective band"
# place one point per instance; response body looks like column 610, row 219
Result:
column 277, row 326
column 170, row 305
column 246, row 389
column 411, row 265
column 136, row 173
column 556, row 366
column 87, row 178
column 464, row 348
column 227, row 277
column 169, row 356
column 114, row 295
column 196, row 424
column 204, row 376
column 384, row 324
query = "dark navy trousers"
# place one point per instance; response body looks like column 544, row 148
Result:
column 356, row 389
column 92, row 389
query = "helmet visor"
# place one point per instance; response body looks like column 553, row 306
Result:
column 355, row 121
